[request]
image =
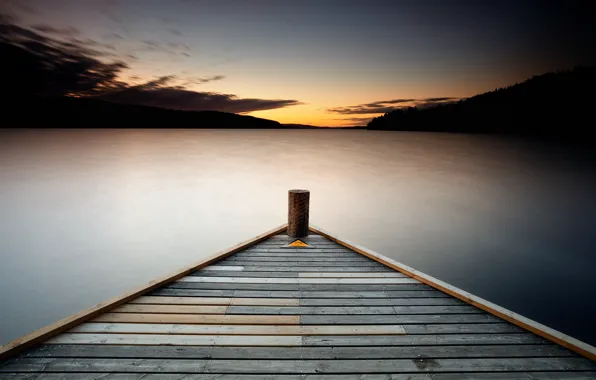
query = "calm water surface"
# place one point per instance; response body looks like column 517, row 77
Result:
column 87, row 215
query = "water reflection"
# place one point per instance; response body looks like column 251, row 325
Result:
column 87, row 215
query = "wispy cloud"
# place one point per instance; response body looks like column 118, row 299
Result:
column 67, row 31
column 384, row 106
column 161, row 93
column 355, row 121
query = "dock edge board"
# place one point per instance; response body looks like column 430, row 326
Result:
column 20, row 344
column 539, row 329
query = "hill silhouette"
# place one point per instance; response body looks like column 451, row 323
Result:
column 557, row 104
column 67, row 112
column 49, row 82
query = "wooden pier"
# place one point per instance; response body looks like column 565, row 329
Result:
column 273, row 308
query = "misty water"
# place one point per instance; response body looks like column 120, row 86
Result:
column 87, row 215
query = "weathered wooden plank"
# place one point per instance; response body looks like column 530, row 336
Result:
column 435, row 376
column 350, row 310
column 310, row 273
column 364, row 287
column 319, row 294
column 412, row 293
column 267, row 274
column 339, row 274
column 191, row 293
column 305, row 262
column 335, row 294
column 406, row 290
column 390, row 352
column 150, row 300
column 316, row 269
column 199, row 319
column 312, row 245
column 183, row 340
column 149, row 376
column 220, row 268
column 558, row 337
column 144, row 328
column 329, row 254
column 323, row 256
column 46, row 332
column 356, row 366
column 313, row 248
column 311, row 268
column 304, row 287
column 379, row 301
column 285, row 238
column 170, row 309
column 335, row 281
column 397, row 319
column 318, row 258
column 266, row 301
column 319, row 252
column 555, row 375
column 303, row 310
column 420, row 340
column 279, row 262
column 464, row 328
column 215, row 301
column 301, row 264
column 231, row 286
column 265, row 293
column 421, row 365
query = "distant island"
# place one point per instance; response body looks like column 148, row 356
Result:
column 66, row 112
column 555, row 104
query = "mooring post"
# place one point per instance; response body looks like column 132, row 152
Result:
column 298, row 201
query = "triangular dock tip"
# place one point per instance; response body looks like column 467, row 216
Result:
column 297, row 243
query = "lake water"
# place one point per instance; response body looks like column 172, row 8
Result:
column 87, row 215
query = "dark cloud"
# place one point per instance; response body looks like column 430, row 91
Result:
column 385, row 102
column 180, row 99
column 68, row 31
column 385, row 106
column 361, row 109
column 175, row 32
column 161, row 93
column 201, row 80
column 38, row 64
column 439, row 99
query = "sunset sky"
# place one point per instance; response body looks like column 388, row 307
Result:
column 327, row 63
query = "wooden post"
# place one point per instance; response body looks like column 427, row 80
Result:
column 298, row 201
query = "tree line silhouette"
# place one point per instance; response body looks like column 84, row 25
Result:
column 555, row 104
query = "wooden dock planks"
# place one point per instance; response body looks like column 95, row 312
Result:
column 268, row 312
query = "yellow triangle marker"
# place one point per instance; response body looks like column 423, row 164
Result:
column 297, row 243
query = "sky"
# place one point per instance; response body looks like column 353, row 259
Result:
column 322, row 62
